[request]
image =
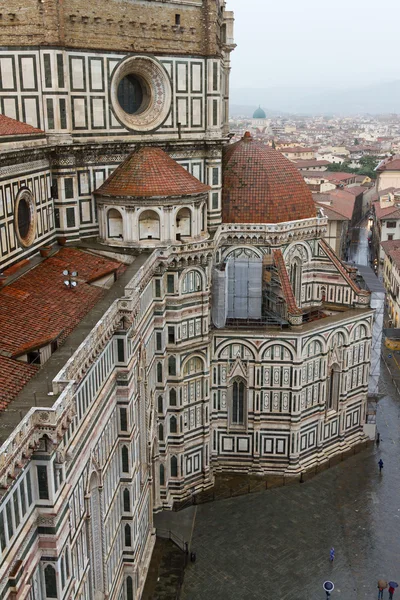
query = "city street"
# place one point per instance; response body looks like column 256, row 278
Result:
column 359, row 251
column 275, row 544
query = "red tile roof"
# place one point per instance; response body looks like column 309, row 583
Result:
column 392, row 249
column 340, row 267
column 382, row 213
column 390, row 164
column 331, row 213
column 260, row 185
column 302, row 164
column 330, row 176
column 296, row 149
column 286, row 287
column 356, row 190
column 149, row 172
column 11, row 127
column 37, row 308
column 14, row 375
column 338, row 200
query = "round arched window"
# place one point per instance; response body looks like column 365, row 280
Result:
column 133, row 94
column 141, row 93
column 25, row 218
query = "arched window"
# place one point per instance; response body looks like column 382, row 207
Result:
column 172, row 425
column 172, row 365
column 161, row 432
column 191, row 282
column 127, row 500
column 160, row 404
column 162, row 475
column 128, row 535
column 174, row 466
column 204, row 218
column 295, row 279
column 149, row 225
column 193, row 365
column 183, row 223
column 115, row 224
column 125, row 459
column 50, row 581
column 238, row 399
column 333, row 388
column 62, row 571
column 129, row 588
column 172, row 397
column 159, row 373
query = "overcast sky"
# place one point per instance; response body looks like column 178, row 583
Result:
column 340, row 43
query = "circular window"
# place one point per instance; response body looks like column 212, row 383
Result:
column 25, row 218
column 141, row 93
column 133, row 94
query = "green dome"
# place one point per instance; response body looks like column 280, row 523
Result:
column 259, row 114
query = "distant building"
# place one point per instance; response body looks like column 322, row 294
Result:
column 259, row 120
column 388, row 173
column 312, row 165
column 298, row 153
column 391, row 278
column 338, row 225
column 386, row 222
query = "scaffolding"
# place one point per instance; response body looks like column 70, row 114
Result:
column 244, row 296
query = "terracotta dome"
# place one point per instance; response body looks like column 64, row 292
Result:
column 149, row 172
column 260, row 185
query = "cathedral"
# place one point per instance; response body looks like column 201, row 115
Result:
column 240, row 342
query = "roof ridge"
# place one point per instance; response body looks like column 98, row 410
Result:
column 286, row 286
column 340, row 267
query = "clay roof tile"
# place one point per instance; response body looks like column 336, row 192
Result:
column 149, row 172
column 260, row 185
column 11, row 127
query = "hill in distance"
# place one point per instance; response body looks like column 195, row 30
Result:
column 379, row 98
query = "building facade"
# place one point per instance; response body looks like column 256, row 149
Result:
column 242, row 344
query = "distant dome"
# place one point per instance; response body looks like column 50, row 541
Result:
column 259, row 114
column 260, row 185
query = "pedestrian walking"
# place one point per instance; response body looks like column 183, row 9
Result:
column 332, row 554
column 391, row 592
column 382, row 585
column 380, row 464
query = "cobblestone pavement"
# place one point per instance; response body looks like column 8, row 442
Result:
column 275, row 544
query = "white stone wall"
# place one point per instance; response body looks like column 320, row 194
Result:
column 36, row 176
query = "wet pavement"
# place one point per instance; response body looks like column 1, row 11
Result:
column 359, row 251
column 275, row 544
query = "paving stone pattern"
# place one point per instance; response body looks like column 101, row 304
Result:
column 165, row 573
column 275, row 544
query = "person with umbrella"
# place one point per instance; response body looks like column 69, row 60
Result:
column 392, row 586
column 382, row 585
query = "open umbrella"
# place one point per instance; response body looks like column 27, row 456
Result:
column 382, row 584
column 393, row 584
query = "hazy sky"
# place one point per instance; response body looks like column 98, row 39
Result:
column 313, row 43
